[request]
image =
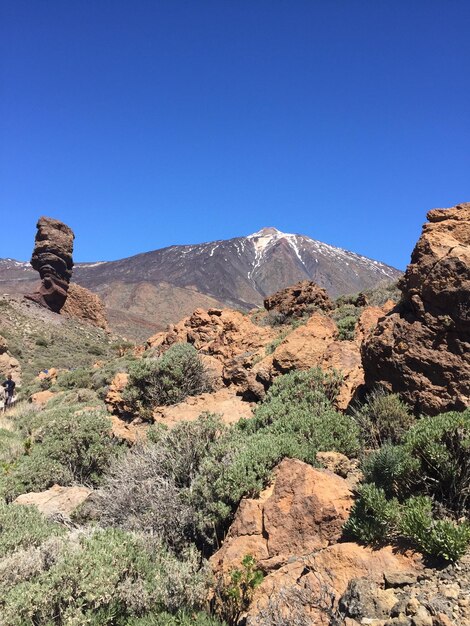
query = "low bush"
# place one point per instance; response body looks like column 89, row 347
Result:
column 233, row 596
column 419, row 490
column 441, row 445
column 373, row 519
column 177, row 374
column 66, row 445
column 393, row 469
column 23, row 527
column 79, row 378
column 148, row 489
column 11, row 447
column 440, row 538
column 346, row 316
column 108, row 577
column 384, row 418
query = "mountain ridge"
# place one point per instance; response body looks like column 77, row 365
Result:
column 146, row 291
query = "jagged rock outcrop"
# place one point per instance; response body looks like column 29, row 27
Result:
column 292, row 531
column 315, row 344
column 52, row 258
column 421, row 349
column 299, row 299
column 84, row 305
column 304, row 510
column 228, row 340
column 221, row 333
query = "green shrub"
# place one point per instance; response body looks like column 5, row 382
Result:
column 148, row 489
column 69, row 444
column 22, row 527
column 433, row 466
column 11, row 447
column 438, row 538
column 393, row 469
column 307, row 391
column 346, row 316
column 373, row 518
column 107, row 578
column 233, row 596
column 441, row 444
column 79, row 378
column 177, row 374
column 301, row 403
column 384, row 418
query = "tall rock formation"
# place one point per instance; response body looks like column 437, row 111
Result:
column 52, row 258
column 422, row 348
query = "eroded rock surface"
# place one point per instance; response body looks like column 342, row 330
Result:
column 304, row 510
column 84, row 305
column 301, row 298
column 292, row 530
column 52, row 258
column 421, row 349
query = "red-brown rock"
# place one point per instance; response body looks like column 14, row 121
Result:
column 304, row 510
column 84, row 305
column 299, row 299
column 56, row 501
column 421, row 349
column 52, row 258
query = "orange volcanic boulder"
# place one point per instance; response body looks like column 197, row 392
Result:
column 299, row 299
column 309, row 587
column 306, row 345
column 8, row 363
column 84, row 305
column 223, row 334
column 421, row 349
column 304, row 510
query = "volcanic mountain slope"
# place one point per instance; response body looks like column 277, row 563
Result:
column 144, row 293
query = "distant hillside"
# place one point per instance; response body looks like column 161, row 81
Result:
column 145, row 292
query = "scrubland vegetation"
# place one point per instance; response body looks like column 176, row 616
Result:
column 136, row 552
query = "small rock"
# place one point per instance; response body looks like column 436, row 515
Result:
column 399, row 579
column 422, row 618
column 452, row 591
column 412, row 606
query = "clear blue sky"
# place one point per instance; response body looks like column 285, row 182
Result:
column 147, row 123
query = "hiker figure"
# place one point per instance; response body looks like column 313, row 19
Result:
column 9, row 387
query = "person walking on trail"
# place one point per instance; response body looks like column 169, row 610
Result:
column 9, row 387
